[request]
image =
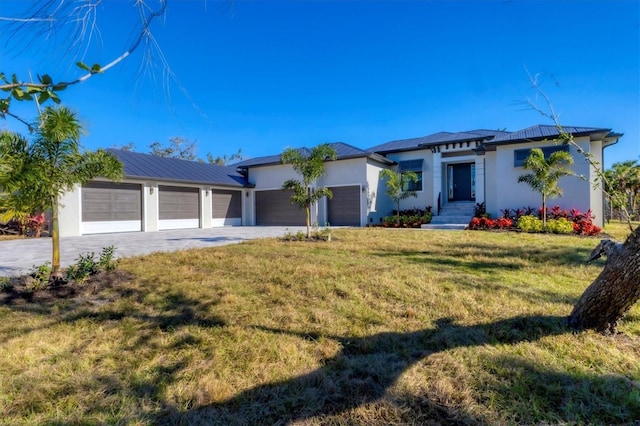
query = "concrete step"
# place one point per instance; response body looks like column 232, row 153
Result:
column 451, row 219
column 451, row 226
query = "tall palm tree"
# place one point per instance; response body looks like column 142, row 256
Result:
column 545, row 175
column 51, row 165
column 310, row 168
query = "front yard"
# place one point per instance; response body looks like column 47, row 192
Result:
column 378, row 326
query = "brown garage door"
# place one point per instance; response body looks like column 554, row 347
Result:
column 343, row 209
column 178, row 202
column 274, row 208
column 111, row 202
column 226, row 204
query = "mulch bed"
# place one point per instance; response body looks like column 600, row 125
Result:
column 21, row 291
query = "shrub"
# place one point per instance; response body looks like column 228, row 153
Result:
column 86, row 265
column 560, row 226
column 409, row 218
column 40, row 275
column 529, row 223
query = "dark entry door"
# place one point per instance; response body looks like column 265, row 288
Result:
column 460, row 178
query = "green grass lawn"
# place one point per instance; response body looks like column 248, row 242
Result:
column 377, row 327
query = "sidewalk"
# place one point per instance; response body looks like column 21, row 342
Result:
column 18, row 256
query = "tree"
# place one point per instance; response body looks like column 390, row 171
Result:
column 617, row 288
column 75, row 21
column 396, row 184
column 545, row 175
column 178, row 148
column 225, row 160
column 310, row 168
column 54, row 164
column 624, row 179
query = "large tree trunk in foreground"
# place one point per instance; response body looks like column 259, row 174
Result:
column 614, row 291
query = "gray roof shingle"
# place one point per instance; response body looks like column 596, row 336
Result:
column 147, row 166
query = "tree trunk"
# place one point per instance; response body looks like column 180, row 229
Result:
column 613, row 292
column 308, row 212
column 56, row 273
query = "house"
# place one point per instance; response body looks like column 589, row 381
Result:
column 455, row 171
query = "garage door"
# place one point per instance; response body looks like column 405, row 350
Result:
column 226, row 207
column 344, row 208
column 111, row 207
column 179, row 207
column 274, row 208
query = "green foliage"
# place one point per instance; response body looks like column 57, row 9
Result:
column 290, row 236
column 6, row 285
column 529, row 223
column 178, row 147
column 40, row 275
column 395, row 182
column 310, row 167
column 545, row 174
column 40, row 172
column 106, row 262
column 560, row 226
column 87, row 266
column 84, row 267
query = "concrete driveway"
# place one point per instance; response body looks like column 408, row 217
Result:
column 18, row 257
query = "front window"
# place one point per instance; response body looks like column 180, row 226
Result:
column 414, row 166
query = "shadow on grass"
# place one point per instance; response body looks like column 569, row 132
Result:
column 473, row 256
column 362, row 373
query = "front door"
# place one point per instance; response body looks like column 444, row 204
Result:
column 461, row 182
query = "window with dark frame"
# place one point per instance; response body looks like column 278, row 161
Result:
column 414, row 166
column 520, row 155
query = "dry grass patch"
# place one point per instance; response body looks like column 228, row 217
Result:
column 377, row 327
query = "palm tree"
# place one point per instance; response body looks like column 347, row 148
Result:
column 396, row 182
column 545, row 175
column 310, row 168
column 624, row 180
column 51, row 165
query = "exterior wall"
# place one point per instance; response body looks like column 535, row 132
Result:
column 70, row 213
column 151, row 215
column 348, row 172
column 491, row 182
column 337, row 173
column 511, row 194
column 426, row 196
column 378, row 203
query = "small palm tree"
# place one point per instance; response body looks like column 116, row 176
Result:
column 310, row 168
column 396, row 182
column 545, row 175
column 52, row 164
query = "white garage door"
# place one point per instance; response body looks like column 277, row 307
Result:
column 179, row 207
column 111, row 207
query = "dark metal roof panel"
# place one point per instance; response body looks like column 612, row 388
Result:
column 433, row 139
column 342, row 149
column 540, row 131
column 147, row 166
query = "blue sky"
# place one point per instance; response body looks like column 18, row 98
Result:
column 265, row 75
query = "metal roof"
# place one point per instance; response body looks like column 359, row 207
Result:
column 342, row 149
column 540, row 131
column 435, row 139
column 147, row 166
